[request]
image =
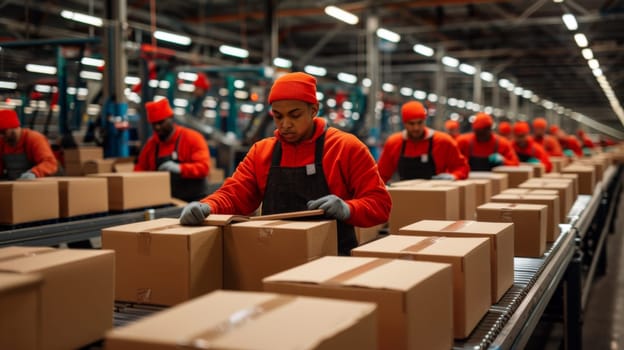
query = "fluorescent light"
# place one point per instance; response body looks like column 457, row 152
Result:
column 388, row 35
column 432, row 97
column 570, row 21
column 164, row 84
column 241, row 94
column 487, row 76
column 282, row 62
column 450, row 61
column 504, row 83
column 186, row 87
column 588, row 54
column 366, row 82
column 247, row 108
column 8, row 85
column 581, row 40
column 347, row 78
column 423, row 50
column 91, row 75
column 83, row 91
column 527, row 94
column 93, row 62
column 518, row 91
column 153, row 83
column 314, row 70
column 71, row 90
column 82, row 18
column 188, row 76
column 510, row 87
column 172, row 38
column 557, row 1
column 43, row 88
column 180, row 102
column 319, row 96
column 341, row 15
column 130, row 80
column 348, row 105
column 387, row 87
column 593, row 63
column 419, row 94
column 468, row 69
column 38, row 68
column 239, row 84
column 461, row 103
column 452, row 102
column 405, row 91
column 233, row 51
column 597, row 72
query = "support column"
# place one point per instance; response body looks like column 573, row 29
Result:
column 513, row 104
column 269, row 37
column 440, row 89
column 373, row 125
column 477, row 86
column 496, row 94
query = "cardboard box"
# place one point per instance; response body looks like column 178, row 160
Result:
column 20, row 302
column 412, row 204
column 259, row 248
column 586, row 177
column 500, row 181
column 82, row 154
column 563, row 187
column 27, row 201
column 551, row 201
column 467, row 195
column 529, row 225
column 367, row 234
column 414, row 299
column 216, row 175
column 97, row 166
column 161, row 262
column 558, row 163
column 470, row 261
column 137, row 190
column 529, row 191
column 244, row 320
column 76, row 293
column 517, row 174
column 570, row 177
column 72, row 168
column 501, row 239
column 599, row 166
column 407, row 183
column 538, row 168
column 483, row 190
column 73, row 200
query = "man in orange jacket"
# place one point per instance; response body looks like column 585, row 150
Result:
column 180, row 151
column 527, row 150
column 483, row 149
column 419, row 152
column 306, row 165
column 24, row 153
column 548, row 142
column 570, row 145
column 452, row 128
column 588, row 144
column 504, row 130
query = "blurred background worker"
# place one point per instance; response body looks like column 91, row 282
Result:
column 483, row 149
column 452, row 128
column 307, row 165
column 180, row 151
column 586, row 142
column 24, row 153
column 527, row 150
column 548, row 142
column 570, row 145
column 504, row 130
column 419, row 152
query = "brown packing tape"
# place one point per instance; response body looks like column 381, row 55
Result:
column 265, row 233
column 506, row 213
column 415, row 248
column 235, row 320
column 457, row 225
column 23, row 255
column 289, row 215
column 356, row 271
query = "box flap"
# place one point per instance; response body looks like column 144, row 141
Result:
column 407, row 183
column 511, row 206
column 12, row 281
column 281, row 224
column 513, row 169
column 485, row 175
column 9, row 253
column 144, row 226
column 290, row 215
column 52, row 258
column 524, row 196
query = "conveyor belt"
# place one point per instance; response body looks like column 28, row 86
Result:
column 126, row 313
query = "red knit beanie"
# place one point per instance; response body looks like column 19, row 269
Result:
column 294, row 86
column 521, row 128
column 482, row 121
column 504, row 128
column 451, row 125
column 413, row 110
column 540, row 123
column 158, row 110
column 8, row 119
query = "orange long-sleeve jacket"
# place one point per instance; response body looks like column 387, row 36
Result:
column 572, row 143
column 550, row 145
column 444, row 150
column 37, row 149
column 193, row 154
column 533, row 149
column 484, row 149
column 349, row 168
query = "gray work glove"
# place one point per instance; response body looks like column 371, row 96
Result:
column 334, row 207
column 170, row 166
column 27, row 175
column 194, row 213
column 443, row 176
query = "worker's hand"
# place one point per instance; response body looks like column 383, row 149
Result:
column 533, row 160
column 496, row 159
column 170, row 166
column 568, row 153
column 194, row 213
column 443, row 176
column 27, row 175
column 587, row 152
column 333, row 206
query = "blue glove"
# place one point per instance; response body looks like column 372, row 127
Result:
column 170, row 166
column 27, row 175
column 533, row 160
column 568, row 153
column 496, row 159
column 443, row 176
column 194, row 213
column 333, row 206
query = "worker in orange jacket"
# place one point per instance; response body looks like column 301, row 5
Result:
column 587, row 143
column 548, row 142
column 24, row 153
column 306, row 165
column 419, row 152
column 452, row 128
column 483, row 149
column 181, row 151
column 504, row 130
column 570, row 145
column 526, row 149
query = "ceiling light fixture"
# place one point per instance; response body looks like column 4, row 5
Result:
column 347, row 78
column 314, row 70
column 82, row 18
column 487, row 76
column 450, row 61
column 38, row 68
column 233, row 51
column 593, row 63
column 468, row 69
column 282, row 62
column 93, row 62
column 388, row 35
column 570, row 21
column 172, row 38
column 587, row 53
column 581, row 40
column 85, row 74
column 423, row 50
column 341, row 15
column 11, row 85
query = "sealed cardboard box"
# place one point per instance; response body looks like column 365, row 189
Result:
column 500, row 236
column 216, row 175
column 586, row 177
column 500, row 181
column 73, row 200
column 20, row 302
column 558, row 163
column 96, row 166
column 27, row 201
column 161, row 262
column 367, row 234
column 414, row 299
column 72, row 168
column 529, row 191
column 259, row 248
column 516, row 174
column 137, row 190
column 82, row 154
column 76, row 292
column 407, row 183
column 538, row 169
column 563, row 187
column 483, row 190
column 412, row 204
column 467, row 195
column 599, row 166
column 529, row 225
column 551, row 201
column 569, row 177
column 247, row 321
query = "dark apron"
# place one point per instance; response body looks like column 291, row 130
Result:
column 182, row 188
column 420, row 167
column 525, row 157
column 290, row 189
column 480, row 163
column 15, row 165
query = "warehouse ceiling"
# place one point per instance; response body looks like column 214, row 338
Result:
column 525, row 42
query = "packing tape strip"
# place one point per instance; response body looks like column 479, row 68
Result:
column 356, row 271
column 415, row 248
column 23, row 255
column 205, row 339
column 457, row 225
